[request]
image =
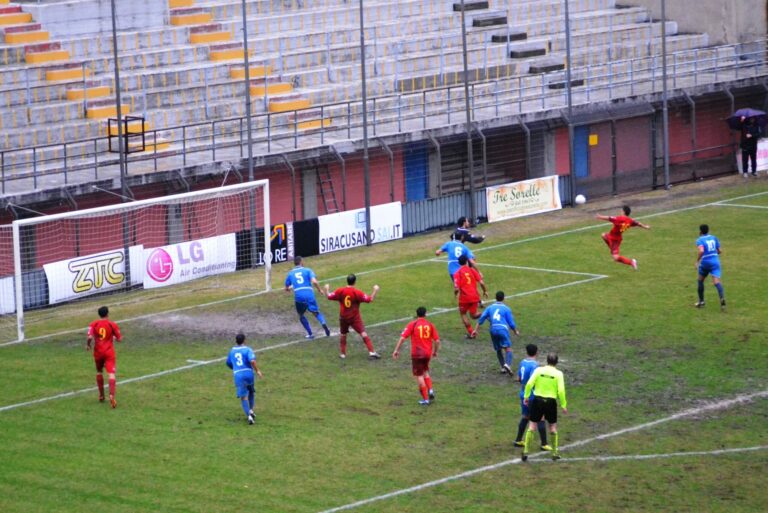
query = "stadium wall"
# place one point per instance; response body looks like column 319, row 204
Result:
column 726, row 22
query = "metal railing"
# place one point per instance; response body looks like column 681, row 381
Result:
column 224, row 139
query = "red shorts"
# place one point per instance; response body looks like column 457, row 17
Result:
column 614, row 244
column 420, row 366
column 105, row 361
column 469, row 307
column 356, row 324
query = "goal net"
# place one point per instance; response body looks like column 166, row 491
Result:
column 190, row 241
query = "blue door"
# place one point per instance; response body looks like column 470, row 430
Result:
column 416, row 171
column 581, row 151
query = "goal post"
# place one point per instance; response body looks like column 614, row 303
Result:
column 144, row 244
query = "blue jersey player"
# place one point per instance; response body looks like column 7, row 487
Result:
column 456, row 249
column 502, row 321
column 302, row 280
column 242, row 361
column 524, row 373
column 708, row 262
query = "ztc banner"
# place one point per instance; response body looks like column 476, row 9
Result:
column 91, row 274
column 187, row 261
column 347, row 229
column 523, row 198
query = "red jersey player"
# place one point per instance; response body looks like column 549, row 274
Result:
column 102, row 332
column 424, row 345
column 614, row 237
column 349, row 299
column 465, row 282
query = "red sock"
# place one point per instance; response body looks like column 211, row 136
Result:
column 112, row 386
column 368, row 344
column 428, row 381
column 469, row 328
column 625, row 260
column 424, row 392
column 343, row 344
column 100, row 383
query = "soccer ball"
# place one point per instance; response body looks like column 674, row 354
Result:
column 580, row 199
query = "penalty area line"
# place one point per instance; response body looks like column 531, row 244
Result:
column 719, row 405
column 640, row 457
column 740, row 206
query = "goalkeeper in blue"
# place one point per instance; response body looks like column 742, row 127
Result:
column 242, row 360
column 550, row 388
column 708, row 262
column 302, row 280
column 500, row 317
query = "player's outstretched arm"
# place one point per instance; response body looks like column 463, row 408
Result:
column 327, row 290
column 396, row 352
column 643, row 225
column 376, row 289
column 438, row 251
column 602, row 217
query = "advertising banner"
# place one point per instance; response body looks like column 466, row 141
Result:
column 347, row 229
column 7, row 297
column 87, row 275
column 281, row 244
column 523, row 198
column 177, row 263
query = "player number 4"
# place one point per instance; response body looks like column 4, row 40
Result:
column 496, row 316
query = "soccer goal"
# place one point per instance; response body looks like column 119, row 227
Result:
column 146, row 244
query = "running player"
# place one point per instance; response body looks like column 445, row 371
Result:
column 301, row 279
column 349, row 299
column 455, row 249
column 708, row 262
column 424, row 345
column 550, row 386
column 102, row 333
column 501, row 322
column 524, row 373
column 242, row 360
column 613, row 238
column 465, row 281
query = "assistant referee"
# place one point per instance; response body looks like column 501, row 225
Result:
column 548, row 386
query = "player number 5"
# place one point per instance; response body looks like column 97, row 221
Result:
column 299, row 278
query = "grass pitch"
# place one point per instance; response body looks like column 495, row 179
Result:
column 332, row 433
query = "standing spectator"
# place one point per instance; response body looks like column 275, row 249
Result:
column 301, row 279
column 349, row 299
column 750, row 133
column 550, row 386
column 102, row 333
column 424, row 345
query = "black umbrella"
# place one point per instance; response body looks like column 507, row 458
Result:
column 734, row 120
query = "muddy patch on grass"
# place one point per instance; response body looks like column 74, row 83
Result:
column 217, row 326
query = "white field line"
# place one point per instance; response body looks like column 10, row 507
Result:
column 640, row 457
column 486, row 248
column 740, row 206
column 541, row 270
column 719, row 405
column 198, row 363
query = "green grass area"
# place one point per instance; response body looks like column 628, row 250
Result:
column 332, row 432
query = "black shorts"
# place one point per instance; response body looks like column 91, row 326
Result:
column 544, row 407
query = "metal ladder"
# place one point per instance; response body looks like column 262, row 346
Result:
column 327, row 193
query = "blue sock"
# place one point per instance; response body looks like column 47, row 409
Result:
column 500, row 356
column 508, row 358
column 251, row 398
column 320, row 318
column 701, row 290
column 244, row 403
column 305, row 323
column 719, row 287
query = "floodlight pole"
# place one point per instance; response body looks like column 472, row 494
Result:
column 366, row 163
column 569, row 97
column 249, row 142
column 664, row 94
column 470, row 156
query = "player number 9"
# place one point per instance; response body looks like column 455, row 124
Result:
column 102, row 333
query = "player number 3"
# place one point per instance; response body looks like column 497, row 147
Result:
column 239, row 359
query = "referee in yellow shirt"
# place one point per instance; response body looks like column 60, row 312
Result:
column 547, row 385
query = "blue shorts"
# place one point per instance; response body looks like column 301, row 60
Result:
column 500, row 339
column 244, row 382
column 302, row 305
column 525, row 410
column 712, row 268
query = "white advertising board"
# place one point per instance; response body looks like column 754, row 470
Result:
column 87, row 275
column 7, row 296
column 523, row 198
column 347, row 229
column 177, row 263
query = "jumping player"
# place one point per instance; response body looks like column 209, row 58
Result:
column 708, row 262
column 613, row 238
column 424, row 345
column 242, row 360
column 462, row 232
column 455, row 249
column 524, row 373
column 102, row 332
column 301, row 279
column 465, row 281
column 550, row 387
column 502, row 321
column 349, row 299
